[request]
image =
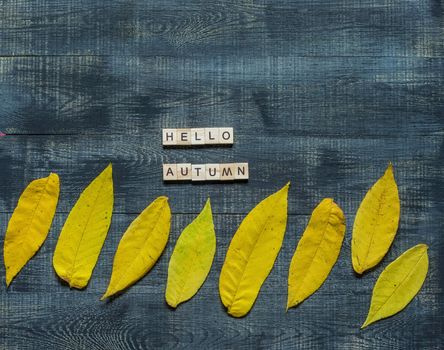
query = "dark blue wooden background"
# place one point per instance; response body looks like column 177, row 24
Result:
column 320, row 92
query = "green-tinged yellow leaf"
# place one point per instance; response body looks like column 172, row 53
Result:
column 192, row 257
column 398, row 284
column 141, row 245
column 84, row 232
column 316, row 252
column 376, row 223
column 30, row 223
column 252, row 253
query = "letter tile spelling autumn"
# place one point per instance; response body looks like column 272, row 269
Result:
column 205, row 172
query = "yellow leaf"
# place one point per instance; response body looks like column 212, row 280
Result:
column 376, row 223
column 398, row 284
column 30, row 223
column 140, row 246
column 252, row 253
column 191, row 259
column 316, row 252
column 84, row 232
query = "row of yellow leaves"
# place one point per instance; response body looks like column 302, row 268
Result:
column 249, row 259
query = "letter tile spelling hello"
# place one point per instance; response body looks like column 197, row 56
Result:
column 197, row 136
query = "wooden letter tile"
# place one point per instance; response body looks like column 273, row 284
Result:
column 212, row 172
column 241, row 171
column 198, row 172
column 226, row 136
column 198, row 136
column 183, row 137
column 211, row 136
column 184, row 171
column 169, row 172
column 169, row 137
column 227, row 171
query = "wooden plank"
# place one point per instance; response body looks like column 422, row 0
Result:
column 38, row 311
column 342, row 168
column 178, row 28
column 289, row 96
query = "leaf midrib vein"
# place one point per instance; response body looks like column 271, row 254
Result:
column 33, row 215
column 141, row 248
column 233, row 300
column 317, row 248
column 374, row 222
column 185, row 279
column 84, row 230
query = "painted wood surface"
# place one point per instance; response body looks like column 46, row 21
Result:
column 321, row 93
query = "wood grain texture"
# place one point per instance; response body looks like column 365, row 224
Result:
column 331, row 96
column 203, row 28
column 321, row 93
